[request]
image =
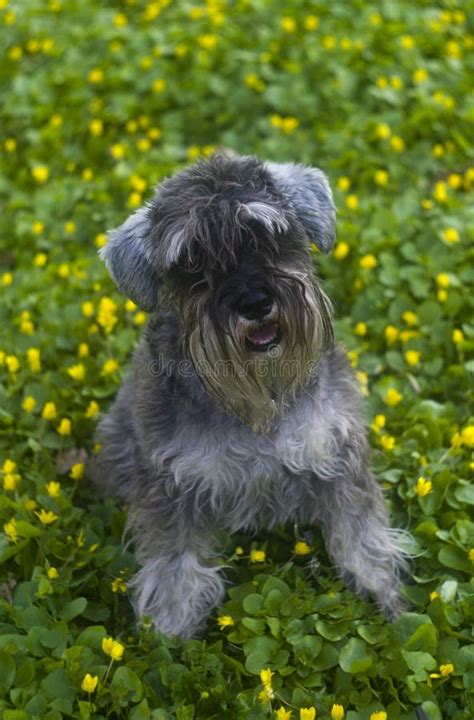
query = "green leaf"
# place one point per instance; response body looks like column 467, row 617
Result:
column 7, row 675
column 74, row 608
column 356, row 656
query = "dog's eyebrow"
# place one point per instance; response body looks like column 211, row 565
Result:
column 272, row 218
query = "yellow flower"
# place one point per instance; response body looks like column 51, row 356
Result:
column 10, row 145
column 288, row 24
column 378, row 423
column 96, row 127
column 407, row 43
column 207, row 42
column 77, row 471
column 89, row 683
column 52, row 573
column 120, row 20
column 100, row 240
column 87, row 309
column 282, row 714
column 10, row 530
column 49, row 411
column 33, row 356
column 257, row 556
column 77, row 372
column 329, row 42
column 423, row 487
column 140, row 318
column 343, row 183
column 40, row 173
column 239, row 550
column 93, row 409
column 446, row 670
column 451, row 236
column 337, row 712
column 288, row 124
column 9, row 466
column 391, row 334
column 455, row 181
column 471, row 553
column 381, row 178
column 410, row 317
column 95, row 76
column 392, row 397
column 353, row 356
column 383, row 131
column 107, row 644
column 352, row 202
column 467, row 436
column 65, row 427
column 83, row 350
column 159, row 85
column 380, row 715
column 301, row 548
column 225, row 621
column 368, row 262
column 420, row 76
column 117, row 650
column 439, row 192
column 70, row 227
column 109, row 367
column 266, row 695
column 361, row 329
column 28, row 404
column 363, row 379
column 37, row 227
column 119, row 585
column 311, row 22
column 106, row 315
column 307, row 713
column 40, row 259
column 46, row 517
column 10, row 481
column 53, row 489
column 397, row 143
column 442, row 280
column 7, row 279
column 266, row 677
column 13, row 364
column 412, row 357
column 387, row 442
column 434, row 595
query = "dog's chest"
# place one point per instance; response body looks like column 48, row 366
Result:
column 247, row 479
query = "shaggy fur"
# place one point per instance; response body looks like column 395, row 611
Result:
column 215, row 429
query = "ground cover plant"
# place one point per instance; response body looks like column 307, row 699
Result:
column 98, row 102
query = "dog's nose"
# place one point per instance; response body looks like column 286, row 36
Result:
column 255, row 303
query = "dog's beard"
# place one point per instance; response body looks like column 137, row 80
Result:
column 256, row 386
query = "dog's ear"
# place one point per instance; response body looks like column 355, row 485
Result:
column 309, row 193
column 130, row 258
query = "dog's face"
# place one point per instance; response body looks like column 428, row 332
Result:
column 225, row 244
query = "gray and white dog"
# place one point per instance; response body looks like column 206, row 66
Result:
column 240, row 412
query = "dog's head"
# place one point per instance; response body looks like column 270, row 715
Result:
column 225, row 244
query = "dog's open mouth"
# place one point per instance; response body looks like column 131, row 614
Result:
column 264, row 337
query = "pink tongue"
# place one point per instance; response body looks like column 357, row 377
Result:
column 264, row 334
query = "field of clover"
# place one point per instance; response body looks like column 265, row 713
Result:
column 98, row 102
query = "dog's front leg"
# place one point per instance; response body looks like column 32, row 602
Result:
column 176, row 585
column 354, row 519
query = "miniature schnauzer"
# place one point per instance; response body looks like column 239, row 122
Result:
column 240, row 412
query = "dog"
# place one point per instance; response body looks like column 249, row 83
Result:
column 240, row 412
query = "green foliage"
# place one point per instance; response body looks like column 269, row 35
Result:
column 99, row 101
